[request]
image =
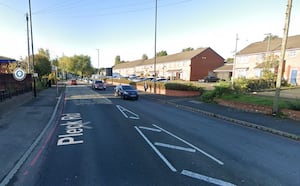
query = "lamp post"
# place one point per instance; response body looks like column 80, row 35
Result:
column 155, row 33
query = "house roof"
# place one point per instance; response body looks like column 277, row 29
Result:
column 163, row 59
column 225, row 68
column 6, row 59
column 275, row 45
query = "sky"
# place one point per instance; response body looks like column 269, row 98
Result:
column 127, row 27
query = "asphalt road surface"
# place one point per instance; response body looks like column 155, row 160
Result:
column 99, row 139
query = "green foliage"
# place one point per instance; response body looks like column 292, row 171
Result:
column 144, row 57
column 208, row 96
column 187, row 49
column 42, row 65
column 222, row 88
column 117, row 60
column 243, row 85
column 240, row 85
column 181, row 86
column 294, row 105
column 162, row 53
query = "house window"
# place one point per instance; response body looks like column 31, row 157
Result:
column 241, row 73
column 260, row 57
column 259, row 73
column 243, row 59
column 291, row 53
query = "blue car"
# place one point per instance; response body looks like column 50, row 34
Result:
column 126, row 92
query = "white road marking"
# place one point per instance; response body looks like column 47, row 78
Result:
column 156, row 150
column 124, row 111
column 206, row 178
column 174, row 147
column 191, row 145
column 151, row 129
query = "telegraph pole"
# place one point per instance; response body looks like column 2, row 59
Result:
column 34, row 84
column 28, row 45
column 155, row 33
column 234, row 61
column 98, row 61
column 282, row 56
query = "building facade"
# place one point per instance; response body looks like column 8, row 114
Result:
column 252, row 61
column 189, row 65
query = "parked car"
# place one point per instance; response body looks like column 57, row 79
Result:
column 209, row 79
column 99, row 84
column 126, row 92
column 73, row 82
column 160, row 80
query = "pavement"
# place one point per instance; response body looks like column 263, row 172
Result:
column 24, row 120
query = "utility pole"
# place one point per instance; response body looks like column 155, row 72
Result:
column 155, row 33
column 34, row 84
column 28, row 45
column 234, row 61
column 268, row 45
column 282, row 56
column 98, row 61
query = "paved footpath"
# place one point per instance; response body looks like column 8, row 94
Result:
column 24, row 118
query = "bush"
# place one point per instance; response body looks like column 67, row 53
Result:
column 208, row 96
column 181, row 86
column 295, row 105
column 222, row 88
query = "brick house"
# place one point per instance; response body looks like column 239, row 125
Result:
column 257, row 56
column 189, row 65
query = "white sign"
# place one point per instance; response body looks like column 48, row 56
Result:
column 19, row 74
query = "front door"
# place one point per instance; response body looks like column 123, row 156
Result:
column 293, row 80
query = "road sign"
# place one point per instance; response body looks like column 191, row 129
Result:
column 19, row 74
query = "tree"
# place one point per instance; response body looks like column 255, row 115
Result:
column 144, row 57
column 187, row 49
column 117, row 60
column 81, row 65
column 42, row 64
column 272, row 37
column 229, row 60
column 162, row 53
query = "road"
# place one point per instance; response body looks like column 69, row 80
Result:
column 99, row 139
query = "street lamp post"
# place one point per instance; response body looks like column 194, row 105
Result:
column 155, row 33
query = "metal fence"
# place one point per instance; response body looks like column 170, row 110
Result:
column 10, row 87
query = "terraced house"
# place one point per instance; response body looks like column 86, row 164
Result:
column 256, row 57
column 189, row 65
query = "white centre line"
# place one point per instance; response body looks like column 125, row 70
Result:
column 156, row 150
column 174, row 147
column 191, row 145
column 206, row 178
